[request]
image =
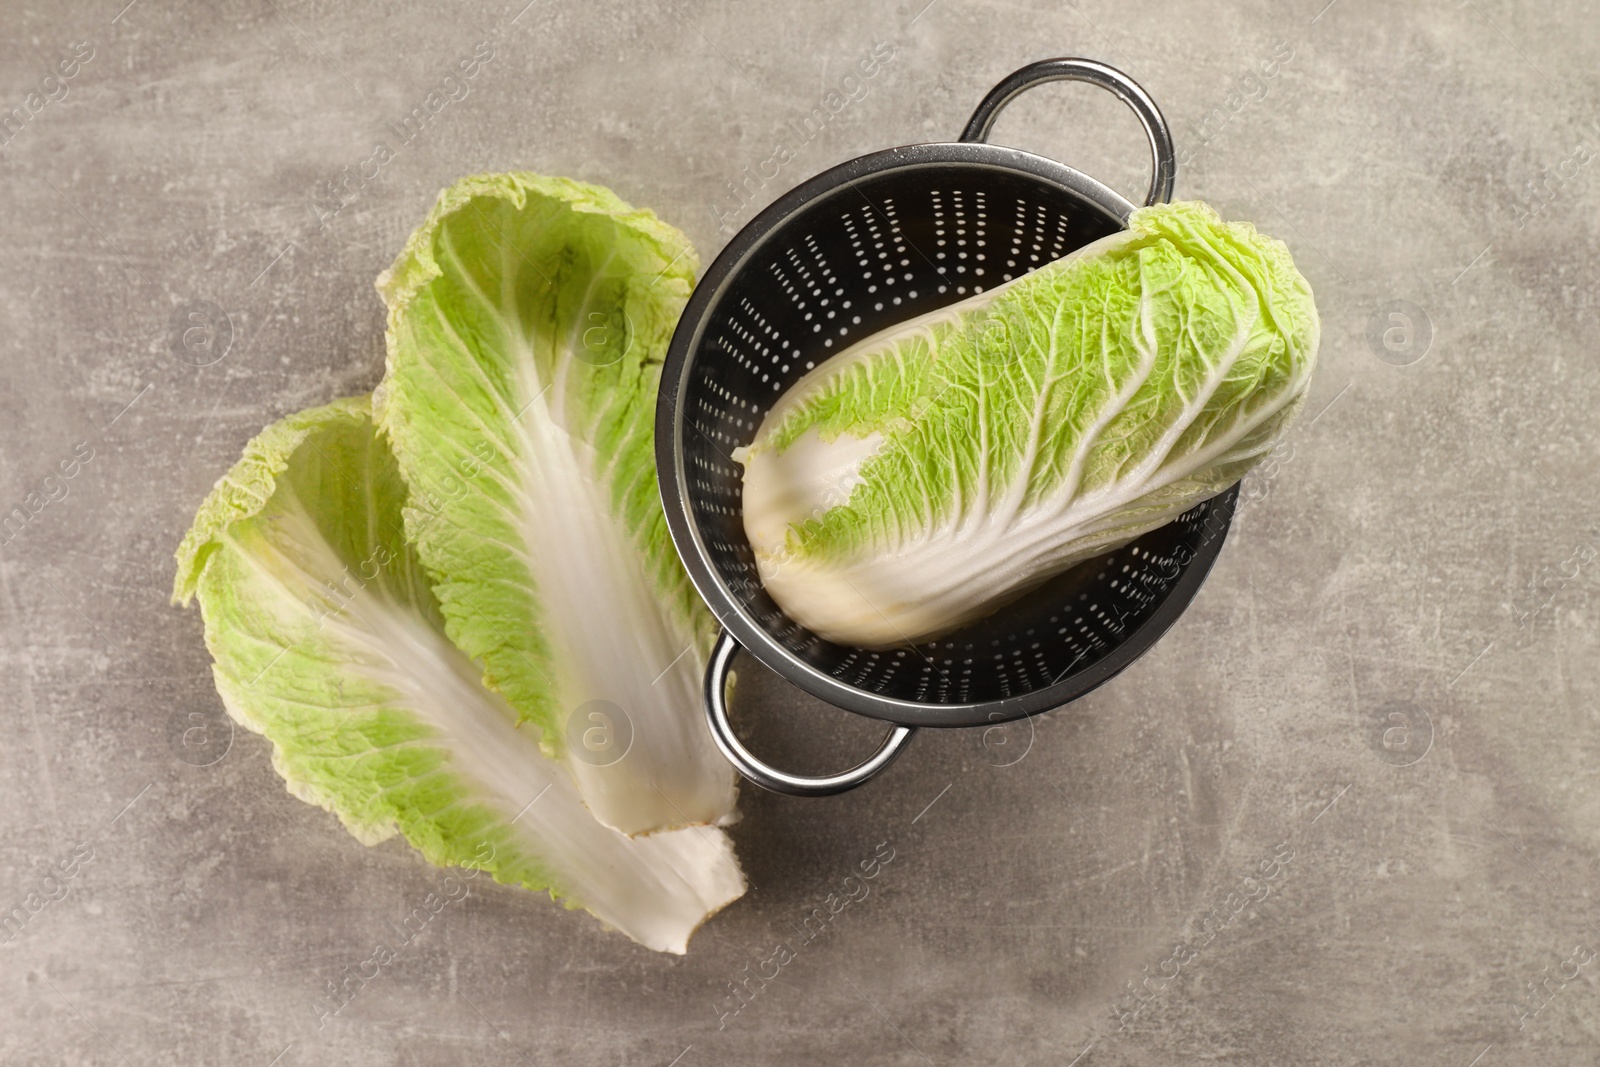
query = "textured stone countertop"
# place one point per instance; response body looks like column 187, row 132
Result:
column 1389, row 682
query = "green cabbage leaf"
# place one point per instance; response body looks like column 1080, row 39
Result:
column 528, row 318
column 329, row 641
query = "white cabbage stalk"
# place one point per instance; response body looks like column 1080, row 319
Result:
column 928, row 474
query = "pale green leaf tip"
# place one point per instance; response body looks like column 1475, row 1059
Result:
column 414, row 267
column 245, row 489
column 1178, row 219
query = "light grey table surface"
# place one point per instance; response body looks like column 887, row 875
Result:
column 1390, row 676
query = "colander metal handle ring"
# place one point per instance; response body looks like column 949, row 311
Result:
column 1163, row 159
column 770, row 778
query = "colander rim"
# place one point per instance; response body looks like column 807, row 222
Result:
column 671, row 425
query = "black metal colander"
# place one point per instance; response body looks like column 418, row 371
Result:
column 859, row 248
